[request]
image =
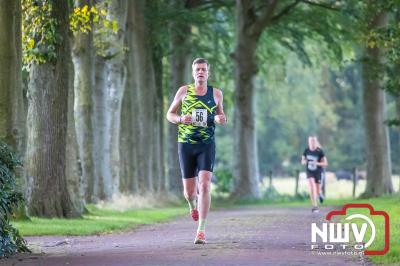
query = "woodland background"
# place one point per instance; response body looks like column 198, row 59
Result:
column 85, row 86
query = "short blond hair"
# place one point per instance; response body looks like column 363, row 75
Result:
column 200, row 61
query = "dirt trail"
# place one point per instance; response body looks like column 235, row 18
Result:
column 246, row 236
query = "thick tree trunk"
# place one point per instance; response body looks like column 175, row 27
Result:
column 398, row 118
column 179, row 68
column 12, row 108
column 116, row 76
column 73, row 169
column 128, row 182
column 11, row 98
column 129, row 120
column 83, row 58
column 47, row 127
column 158, row 118
column 100, row 120
column 379, row 179
column 245, row 162
column 246, row 159
column 144, row 84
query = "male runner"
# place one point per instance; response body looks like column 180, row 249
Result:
column 201, row 107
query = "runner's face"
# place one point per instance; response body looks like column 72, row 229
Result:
column 200, row 72
column 312, row 143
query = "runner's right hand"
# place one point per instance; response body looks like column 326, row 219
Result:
column 186, row 119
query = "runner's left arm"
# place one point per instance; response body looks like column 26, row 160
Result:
column 220, row 117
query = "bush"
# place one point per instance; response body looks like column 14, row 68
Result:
column 223, row 181
column 10, row 240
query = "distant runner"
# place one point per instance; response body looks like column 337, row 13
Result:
column 314, row 159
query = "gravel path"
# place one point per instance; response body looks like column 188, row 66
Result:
column 246, row 236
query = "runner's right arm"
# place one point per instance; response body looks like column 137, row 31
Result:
column 172, row 115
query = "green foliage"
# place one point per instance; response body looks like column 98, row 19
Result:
column 94, row 19
column 82, row 18
column 10, row 241
column 224, row 180
column 39, row 27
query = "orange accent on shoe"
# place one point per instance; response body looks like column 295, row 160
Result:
column 195, row 214
column 200, row 238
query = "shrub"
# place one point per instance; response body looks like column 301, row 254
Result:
column 10, row 239
column 223, row 181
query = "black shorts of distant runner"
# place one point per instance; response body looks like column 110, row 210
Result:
column 316, row 175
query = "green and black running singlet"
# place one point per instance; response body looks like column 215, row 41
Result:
column 202, row 110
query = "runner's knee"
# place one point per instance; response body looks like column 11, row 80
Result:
column 204, row 187
column 189, row 194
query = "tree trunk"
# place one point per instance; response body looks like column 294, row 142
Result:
column 158, row 118
column 73, row 170
column 379, row 179
column 12, row 108
column 249, row 27
column 179, row 67
column 129, row 119
column 102, row 180
column 47, row 127
column 128, row 182
column 116, row 76
column 143, row 80
column 398, row 118
column 83, row 58
column 246, row 162
column 11, row 98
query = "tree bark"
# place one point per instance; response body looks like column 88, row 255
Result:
column 129, row 119
column 158, row 118
column 100, row 119
column 83, row 58
column 47, row 127
column 12, row 108
column 379, row 179
column 128, row 182
column 73, row 170
column 11, row 97
column 398, row 118
column 116, row 77
column 143, row 79
column 249, row 27
column 179, row 59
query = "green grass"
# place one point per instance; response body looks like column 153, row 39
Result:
column 97, row 221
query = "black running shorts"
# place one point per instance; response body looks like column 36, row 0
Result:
column 196, row 157
column 316, row 175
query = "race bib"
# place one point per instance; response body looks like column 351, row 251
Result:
column 312, row 165
column 199, row 117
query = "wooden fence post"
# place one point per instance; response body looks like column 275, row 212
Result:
column 354, row 181
column 296, row 190
column 270, row 179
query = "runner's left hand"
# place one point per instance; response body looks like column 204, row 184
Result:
column 220, row 119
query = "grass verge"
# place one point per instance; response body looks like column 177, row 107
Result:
column 97, row 221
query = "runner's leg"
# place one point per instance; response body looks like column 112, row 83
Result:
column 190, row 191
column 204, row 197
column 312, row 186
